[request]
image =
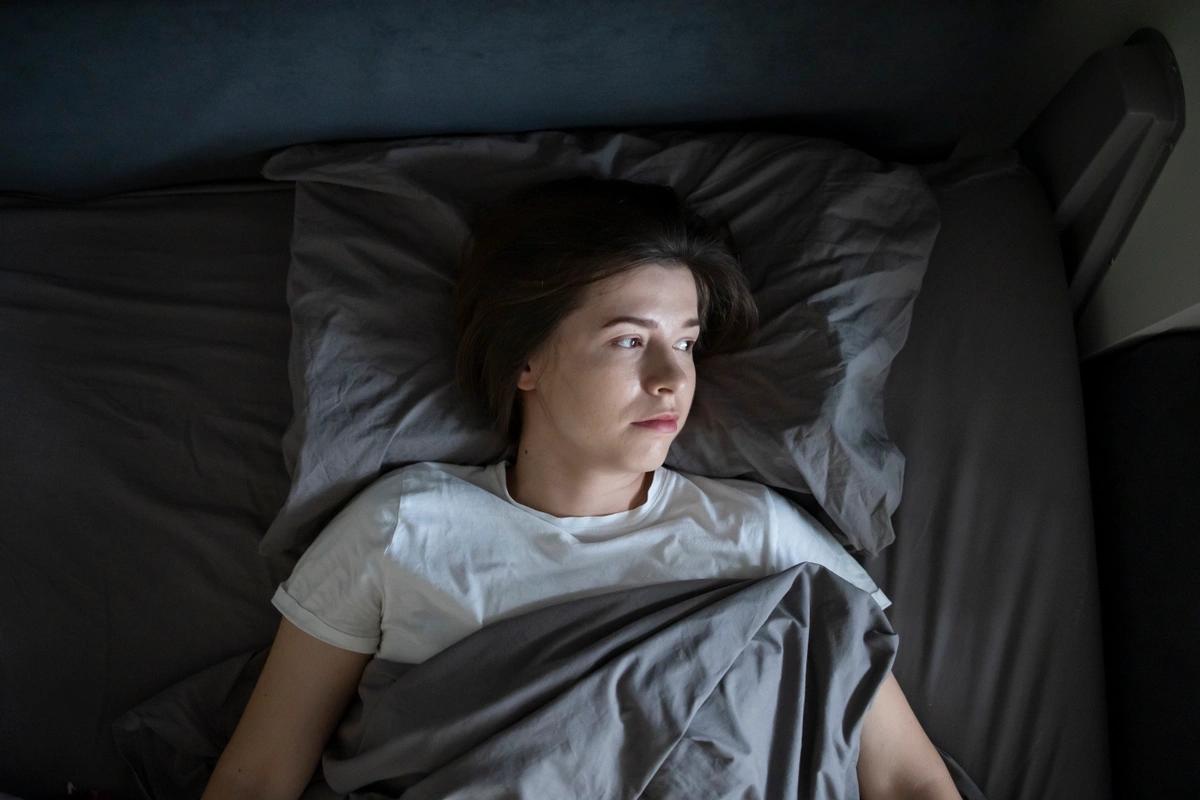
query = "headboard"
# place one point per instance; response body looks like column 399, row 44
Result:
column 104, row 98
column 100, row 98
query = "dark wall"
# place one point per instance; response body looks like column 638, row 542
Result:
column 97, row 98
column 1143, row 421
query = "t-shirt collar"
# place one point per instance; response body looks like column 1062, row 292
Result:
column 653, row 499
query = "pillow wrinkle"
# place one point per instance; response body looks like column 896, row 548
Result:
column 834, row 244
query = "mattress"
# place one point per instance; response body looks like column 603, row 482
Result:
column 993, row 572
column 143, row 380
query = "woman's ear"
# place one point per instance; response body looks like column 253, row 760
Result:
column 537, row 363
column 526, row 379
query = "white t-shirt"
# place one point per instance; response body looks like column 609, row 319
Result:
column 431, row 552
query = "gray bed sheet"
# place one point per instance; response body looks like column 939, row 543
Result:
column 143, row 350
column 143, row 394
column 993, row 573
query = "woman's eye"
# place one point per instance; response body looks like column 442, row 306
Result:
column 691, row 343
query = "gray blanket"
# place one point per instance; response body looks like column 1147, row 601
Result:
column 711, row 688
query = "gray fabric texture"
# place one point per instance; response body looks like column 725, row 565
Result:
column 752, row 688
column 143, row 394
column 993, row 573
column 834, row 243
column 702, row 688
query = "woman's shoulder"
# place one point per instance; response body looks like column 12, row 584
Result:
column 431, row 471
column 750, row 495
column 741, row 491
column 411, row 481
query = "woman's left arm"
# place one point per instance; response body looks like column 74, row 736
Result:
column 896, row 759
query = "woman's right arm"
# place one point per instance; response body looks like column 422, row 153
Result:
column 301, row 694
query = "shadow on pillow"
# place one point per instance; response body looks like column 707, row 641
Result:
column 834, row 244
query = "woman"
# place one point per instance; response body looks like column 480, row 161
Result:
column 582, row 307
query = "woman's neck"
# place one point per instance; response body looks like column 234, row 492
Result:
column 562, row 489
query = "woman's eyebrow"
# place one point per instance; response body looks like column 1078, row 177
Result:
column 646, row 323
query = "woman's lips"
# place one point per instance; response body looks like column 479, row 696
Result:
column 659, row 425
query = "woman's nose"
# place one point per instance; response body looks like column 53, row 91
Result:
column 666, row 373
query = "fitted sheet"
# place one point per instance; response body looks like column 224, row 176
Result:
column 143, row 353
column 993, row 575
column 143, row 394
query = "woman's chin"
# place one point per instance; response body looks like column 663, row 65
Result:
column 654, row 456
column 639, row 451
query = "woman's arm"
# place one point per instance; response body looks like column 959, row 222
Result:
column 896, row 759
column 302, row 692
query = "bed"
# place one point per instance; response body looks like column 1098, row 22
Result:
column 144, row 333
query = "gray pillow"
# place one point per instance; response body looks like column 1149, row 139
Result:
column 834, row 244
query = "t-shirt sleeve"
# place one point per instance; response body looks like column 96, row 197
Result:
column 800, row 537
column 335, row 590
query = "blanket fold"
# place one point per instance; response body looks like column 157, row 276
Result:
column 699, row 689
column 709, row 688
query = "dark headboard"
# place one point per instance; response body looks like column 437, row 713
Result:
column 104, row 97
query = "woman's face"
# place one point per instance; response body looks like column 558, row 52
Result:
column 624, row 356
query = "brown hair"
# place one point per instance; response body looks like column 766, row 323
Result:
column 531, row 257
